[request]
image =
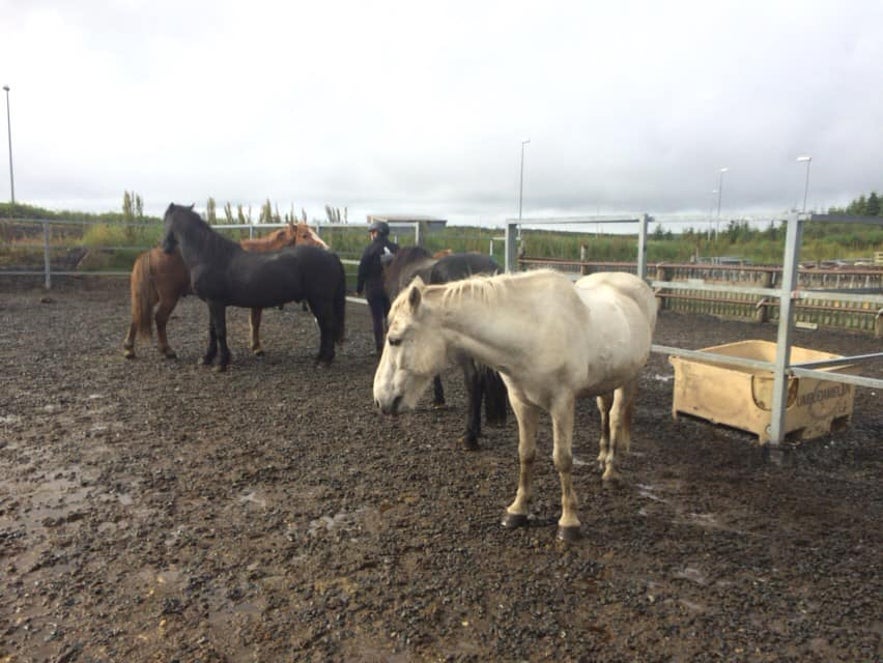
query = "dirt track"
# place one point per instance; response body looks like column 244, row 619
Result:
column 151, row 510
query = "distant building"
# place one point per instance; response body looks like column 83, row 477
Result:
column 431, row 223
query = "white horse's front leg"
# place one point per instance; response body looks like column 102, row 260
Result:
column 562, row 455
column 528, row 417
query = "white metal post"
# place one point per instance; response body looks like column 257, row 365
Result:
column 644, row 222
column 511, row 263
column 783, row 339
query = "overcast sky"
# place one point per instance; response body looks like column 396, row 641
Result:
column 421, row 107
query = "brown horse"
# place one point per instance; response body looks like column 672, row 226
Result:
column 160, row 279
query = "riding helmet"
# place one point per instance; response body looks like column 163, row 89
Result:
column 382, row 228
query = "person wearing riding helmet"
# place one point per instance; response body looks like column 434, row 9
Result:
column 370, row 278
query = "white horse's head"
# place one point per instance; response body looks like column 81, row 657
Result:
column 415, row 351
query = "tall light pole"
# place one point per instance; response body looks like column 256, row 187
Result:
column 720, row 192
column 9, row 133
column 521, row 180
column 807, row 160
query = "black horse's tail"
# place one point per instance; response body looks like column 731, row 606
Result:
column 495, row 397
column 340, row 306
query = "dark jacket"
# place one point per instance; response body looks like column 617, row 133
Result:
column 370, row 277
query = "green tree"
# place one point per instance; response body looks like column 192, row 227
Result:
column 211, row 213
column 857, row 207
column 128, row 207
column 872, row 208
column 266, row 214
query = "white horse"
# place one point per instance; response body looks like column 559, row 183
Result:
column 552, row 343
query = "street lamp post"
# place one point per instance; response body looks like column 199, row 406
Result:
column 720, row 191
column 9, row 134
column 807, row 160
column 521, row 179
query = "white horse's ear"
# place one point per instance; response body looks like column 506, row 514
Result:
column 415, row 296
column 418, row 282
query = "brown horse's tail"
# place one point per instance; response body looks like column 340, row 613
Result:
column 340, row 306
column 143, row 295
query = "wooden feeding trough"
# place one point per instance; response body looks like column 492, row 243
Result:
column 742, row 397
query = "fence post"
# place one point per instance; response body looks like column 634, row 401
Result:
column 583, row 258
column 762, row 314
column 642, row 245
column 783, row 340
column 47, row 269
column 511, row 263
column 662, row 274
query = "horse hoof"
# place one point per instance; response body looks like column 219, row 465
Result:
column 513, row 520
column 569, row 534
column 170, row 354
column 469, row 443
column 129, row 354
column 439, row 405
column 611, row 477
column 259, row 352
column 221, row 368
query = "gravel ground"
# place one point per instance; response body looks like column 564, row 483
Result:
column 153, row 510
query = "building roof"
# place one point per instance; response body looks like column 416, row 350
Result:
column 404, row 218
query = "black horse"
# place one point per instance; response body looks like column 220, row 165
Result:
column 482, row 383
column 223, row 274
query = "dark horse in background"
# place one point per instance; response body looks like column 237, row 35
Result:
column 482, row 383
column 223, row 274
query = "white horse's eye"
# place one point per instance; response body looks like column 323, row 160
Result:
column 394, row 342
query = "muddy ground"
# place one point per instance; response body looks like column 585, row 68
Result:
column 151, row 510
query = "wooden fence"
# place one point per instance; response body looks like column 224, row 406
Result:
column 861, row 316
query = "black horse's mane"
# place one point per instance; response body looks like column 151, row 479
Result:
column 196, row 230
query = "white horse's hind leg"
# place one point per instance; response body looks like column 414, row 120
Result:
column 620, row 427
column 562, row 455
column 604, row 402
column 528, row 417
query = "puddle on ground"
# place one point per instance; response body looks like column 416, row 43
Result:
column 693, row 575
column 340, row 521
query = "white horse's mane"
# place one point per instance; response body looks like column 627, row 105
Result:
column 491, row 289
